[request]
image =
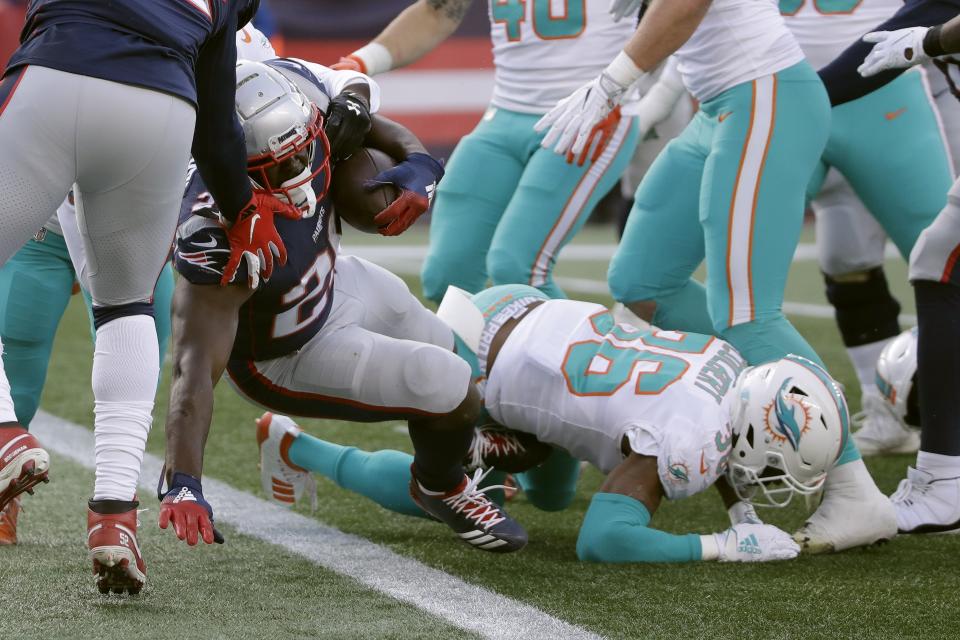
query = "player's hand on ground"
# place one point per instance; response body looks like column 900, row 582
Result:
column 254, row 238
column 755, row 543
column 187, row 510
column 416, row 178
column 621, row 8
column 347, row 124
column 894, row 50
column 349, row 63
column 598, row 139
column 569, row 125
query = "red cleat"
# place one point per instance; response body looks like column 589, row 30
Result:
column 23, row 463
column 112, row 540
column 8, row 522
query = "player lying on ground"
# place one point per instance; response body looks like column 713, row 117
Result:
column 928, row 500
column 664, row 414
column 326, row 336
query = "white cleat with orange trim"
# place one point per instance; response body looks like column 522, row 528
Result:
column 283, row 481
column 23, row 463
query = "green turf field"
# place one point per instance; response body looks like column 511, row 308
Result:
column 251, row 589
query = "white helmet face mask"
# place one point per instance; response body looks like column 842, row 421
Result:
column 789, row 423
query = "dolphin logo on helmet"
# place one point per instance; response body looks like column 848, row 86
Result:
column 786, row 418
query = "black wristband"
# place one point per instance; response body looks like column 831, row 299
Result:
column 931, row 42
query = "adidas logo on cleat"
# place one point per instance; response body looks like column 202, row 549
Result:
column 750, row 545
column 482, row 539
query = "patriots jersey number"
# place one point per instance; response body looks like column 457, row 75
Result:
column 546, row 26
column 308, row 297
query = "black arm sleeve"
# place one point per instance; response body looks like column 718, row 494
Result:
column 218, row 143
column 841, row 78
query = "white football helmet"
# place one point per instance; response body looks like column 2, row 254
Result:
column 789, row 423
column 897, row 376
column 286, row 147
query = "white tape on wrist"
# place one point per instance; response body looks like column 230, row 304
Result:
column 624, row 71
column 709, row 549
column 376, row 58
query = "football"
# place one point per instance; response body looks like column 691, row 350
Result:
column 351, row 201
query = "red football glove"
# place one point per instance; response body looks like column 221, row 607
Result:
column 254, row 238
column 191, row 515
column 601, row 133
column 350, row 63
column 417, row 179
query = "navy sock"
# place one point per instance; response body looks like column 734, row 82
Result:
column 938, row 361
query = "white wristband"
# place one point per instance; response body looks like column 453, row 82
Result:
column 376, row 58
column 709, row 549
column 623, row 71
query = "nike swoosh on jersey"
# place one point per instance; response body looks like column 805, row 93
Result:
column 893, row 115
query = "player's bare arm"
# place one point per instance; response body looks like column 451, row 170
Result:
column 393, row 138
column 666, row 25
column 204, row 325
column 204, row 320
column 417, row 31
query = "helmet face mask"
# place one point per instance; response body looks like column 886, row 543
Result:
column 287, row 148
column 789, row 422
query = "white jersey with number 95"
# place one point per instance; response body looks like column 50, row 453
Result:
column 571, row 376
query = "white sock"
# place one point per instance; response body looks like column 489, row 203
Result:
column 7, row 414
column 850, row 475
column 938, row 465
column 864, row 358
column 125, row 372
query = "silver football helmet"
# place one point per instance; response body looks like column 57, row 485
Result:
column 789, row 423
column 284, row 134
column 897, row 376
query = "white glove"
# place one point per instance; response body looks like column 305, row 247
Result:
column 749, row 543
column 743, row 513
column 894, row 50
column 574, row 117
column 620, row 8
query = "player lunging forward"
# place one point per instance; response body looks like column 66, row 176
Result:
column 326, row 336
column 664, row 414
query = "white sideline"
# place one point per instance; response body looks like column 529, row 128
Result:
column 461, row 604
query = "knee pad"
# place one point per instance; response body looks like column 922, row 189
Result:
column 865, row 309
column 103, row 315
column 437, row 379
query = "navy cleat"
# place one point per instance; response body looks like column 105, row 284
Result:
column 505, row 450
column 477, row 520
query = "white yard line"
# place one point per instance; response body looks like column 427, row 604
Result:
column 407, row 260
column 440, row 594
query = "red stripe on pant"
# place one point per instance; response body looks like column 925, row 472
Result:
column 9, row 86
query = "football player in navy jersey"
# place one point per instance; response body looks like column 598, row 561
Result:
column 328, row 335
column 138, row 84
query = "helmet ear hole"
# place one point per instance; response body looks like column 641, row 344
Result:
column 798, row 391
column 750, row 435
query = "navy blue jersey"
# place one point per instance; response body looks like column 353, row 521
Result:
column 286, row 310
column 186, row 48
column 841, row 78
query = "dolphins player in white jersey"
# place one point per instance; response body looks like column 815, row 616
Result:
column 863, row 194
column 728, row 192
column 511, row 227
column 663, row 414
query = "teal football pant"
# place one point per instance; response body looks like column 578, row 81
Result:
column 35, row 288
column 890, row 147
column 730, row 189
column 506, row 206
